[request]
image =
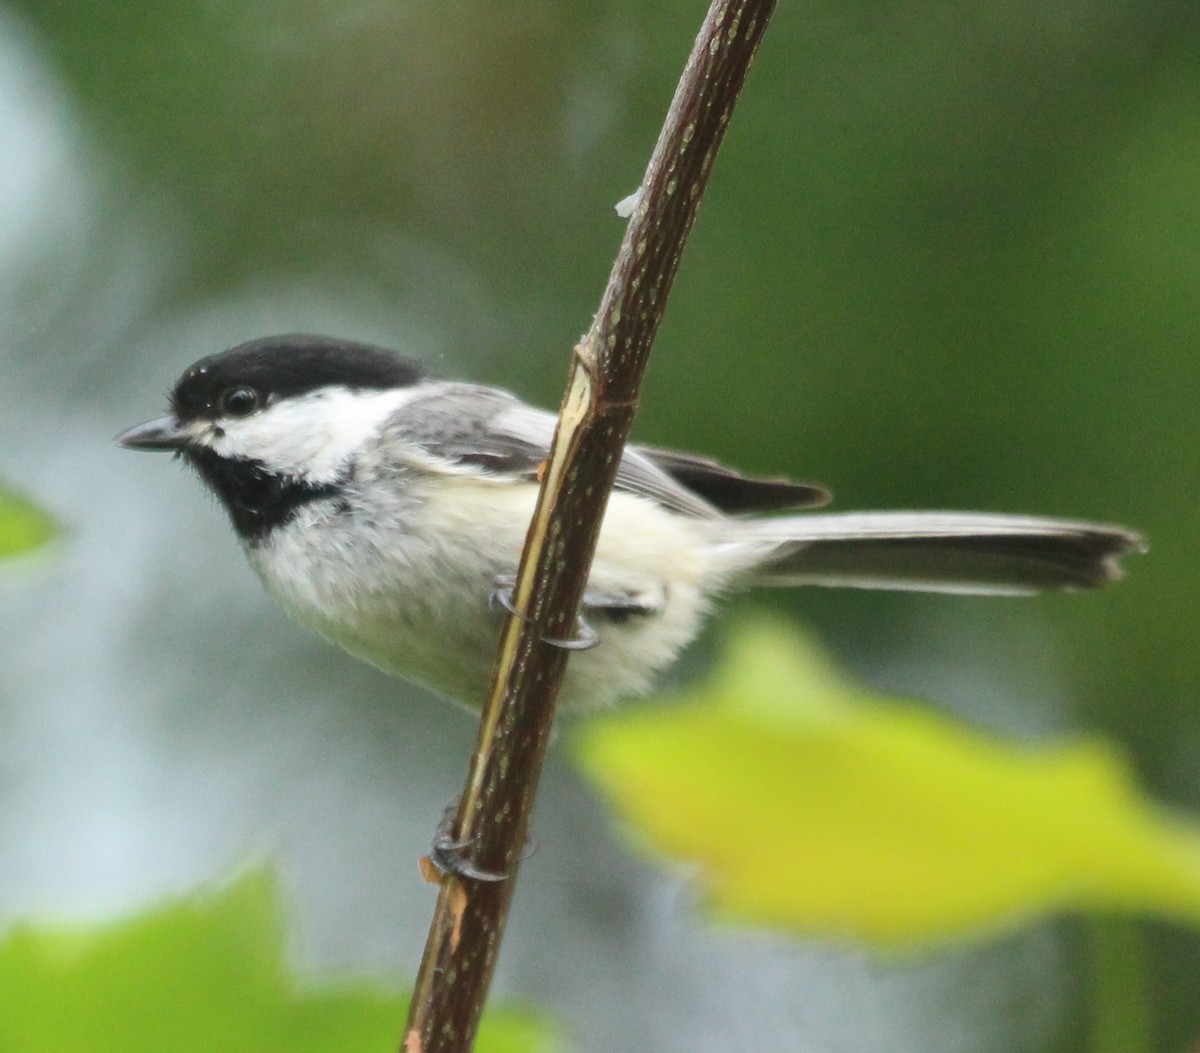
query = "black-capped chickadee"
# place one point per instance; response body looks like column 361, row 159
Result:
column 387, row 511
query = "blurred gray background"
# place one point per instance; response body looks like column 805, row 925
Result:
column 950, row 257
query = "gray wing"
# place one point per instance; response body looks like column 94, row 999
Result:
column 730, row 490
column 495, row 431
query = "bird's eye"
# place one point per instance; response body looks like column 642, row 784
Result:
column 240, row 402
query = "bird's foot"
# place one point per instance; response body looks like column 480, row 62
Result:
column 501, row 599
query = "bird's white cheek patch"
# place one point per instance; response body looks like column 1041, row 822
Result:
column 310, row 437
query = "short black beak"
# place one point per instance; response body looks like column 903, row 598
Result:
column 162, row 434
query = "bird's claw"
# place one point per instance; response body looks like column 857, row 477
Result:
column 501, row 599
column 446, row 852
column 585, row 638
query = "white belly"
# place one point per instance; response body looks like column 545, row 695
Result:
column 410, row 593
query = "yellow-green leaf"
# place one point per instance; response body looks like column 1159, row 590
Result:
column 198, row 975
column 815, row 804
column 23, row 526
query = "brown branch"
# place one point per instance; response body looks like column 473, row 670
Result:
column 597, row 412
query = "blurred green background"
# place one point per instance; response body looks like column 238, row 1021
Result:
column 950, row 257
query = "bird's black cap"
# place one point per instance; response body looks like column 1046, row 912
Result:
column 281, row 366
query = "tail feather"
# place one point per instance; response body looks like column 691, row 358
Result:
column 961, row 552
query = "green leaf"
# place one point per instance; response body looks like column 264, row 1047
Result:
column 815, row 804
column 23, row 526
column 203, row 973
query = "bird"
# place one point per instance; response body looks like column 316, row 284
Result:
column 386, row 509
